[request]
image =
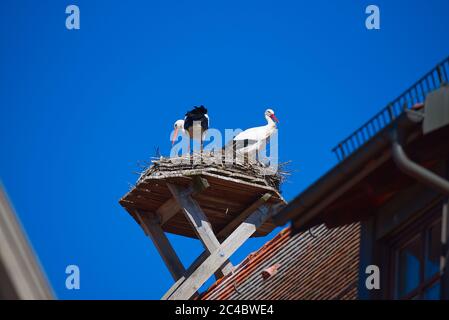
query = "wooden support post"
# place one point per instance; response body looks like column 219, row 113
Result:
column 167, row 210
column 198, row 261
column 162, row 244
column 196, row 217
column 199, row 222
column 187, row 288
column 170, row 207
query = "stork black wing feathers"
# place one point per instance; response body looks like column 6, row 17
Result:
column 197, row 114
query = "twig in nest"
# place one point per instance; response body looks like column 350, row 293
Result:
column 254, row 172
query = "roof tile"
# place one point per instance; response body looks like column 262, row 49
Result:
column 320, row 266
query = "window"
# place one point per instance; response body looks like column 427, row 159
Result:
column 415, row 254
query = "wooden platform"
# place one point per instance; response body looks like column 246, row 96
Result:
column 221, row 204
column 227, row 199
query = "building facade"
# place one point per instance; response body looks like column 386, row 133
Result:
column 21, row 276
column 376, row 225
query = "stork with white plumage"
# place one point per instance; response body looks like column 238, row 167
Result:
column 194, row 125
column 258, row 135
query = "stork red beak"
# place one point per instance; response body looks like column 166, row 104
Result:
column 274, row 118
column 175, row 135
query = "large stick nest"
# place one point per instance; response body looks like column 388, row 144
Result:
column 248, row 171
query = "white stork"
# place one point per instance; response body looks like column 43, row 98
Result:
column 258, row 135
column 195, row 124
column 179, row 127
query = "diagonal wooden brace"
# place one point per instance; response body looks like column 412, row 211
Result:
column 154, row 231
column 170, row 207
column 185, row 289
column 199, row 222
column 198, row 261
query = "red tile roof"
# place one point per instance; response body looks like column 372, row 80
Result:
column 318, row 265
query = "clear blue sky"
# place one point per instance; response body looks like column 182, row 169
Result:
column 79, row 109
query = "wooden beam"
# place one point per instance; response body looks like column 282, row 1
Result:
column 199, row 184
column 220, row 255
column 198, row 261
column 162, row 244
column 167, row 210
column 196, row 217
column 242, row 216
column 199, row 222
column 170, row 207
